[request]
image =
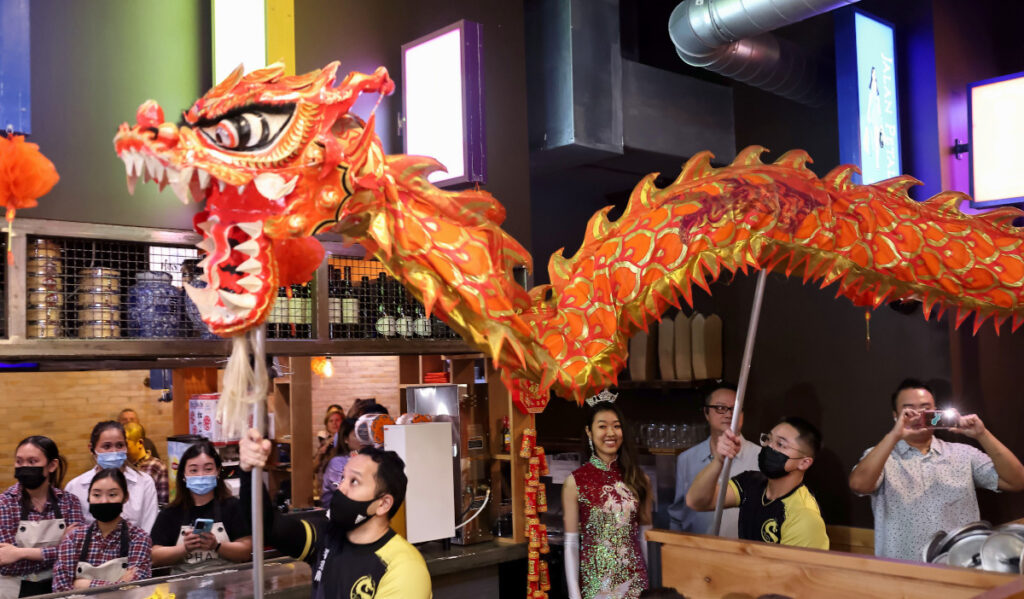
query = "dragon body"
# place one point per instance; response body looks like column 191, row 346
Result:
column 278, row 158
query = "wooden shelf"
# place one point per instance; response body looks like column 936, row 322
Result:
column 152, row 349
column 660, row 451
column 504, row 457
column 665, row 384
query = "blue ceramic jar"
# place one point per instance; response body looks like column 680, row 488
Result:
column 154, row 306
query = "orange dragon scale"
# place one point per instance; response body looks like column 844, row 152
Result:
column 277, row 158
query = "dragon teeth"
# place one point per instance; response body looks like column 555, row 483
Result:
column 203, row 298
column 253, row 229
column 251, row 266
column 220, row 185
column 251, row 284
column 249, row 248
column 241, row 189
column 236, row 301
column 206, row 245
column 180, row 189
column 273, row 186
column 134, row 161
column 204, row 178
column 130, row 181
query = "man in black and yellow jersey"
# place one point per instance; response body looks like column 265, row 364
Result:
column 354, row 553
column 775, row 506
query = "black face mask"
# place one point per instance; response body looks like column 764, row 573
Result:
column 106, row 512
column 348, row 514
column 30, row 477
column 772, row 462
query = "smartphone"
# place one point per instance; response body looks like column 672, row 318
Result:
column 940, row 419
column 202, row 525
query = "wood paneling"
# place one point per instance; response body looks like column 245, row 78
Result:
column 704, row 567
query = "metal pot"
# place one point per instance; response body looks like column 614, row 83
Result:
column 44, row 281
column 98, row 313
column 44, row 266
column 43, row 248
column 966, row 551
column 43, row 329
column 44, row 297
column 98, row 298
column 99, row 279
column 99, row 330
column 1002, row 552
column 47, row 313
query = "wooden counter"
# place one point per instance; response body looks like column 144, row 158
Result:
column 706, row 567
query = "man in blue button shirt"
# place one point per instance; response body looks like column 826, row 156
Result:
column 718, row 407
column 920, row 484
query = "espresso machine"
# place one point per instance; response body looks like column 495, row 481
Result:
column 470, row 456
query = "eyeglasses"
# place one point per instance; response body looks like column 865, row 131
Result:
column 721, row 410
column 779, row 444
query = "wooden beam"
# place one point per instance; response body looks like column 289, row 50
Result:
column 301, row 411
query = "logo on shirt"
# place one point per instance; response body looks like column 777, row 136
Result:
column 770, row 531
column 363, row 589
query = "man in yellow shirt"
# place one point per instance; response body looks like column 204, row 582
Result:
column 775, row 506
column 354, row 553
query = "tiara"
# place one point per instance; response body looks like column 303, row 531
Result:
column 603, row 396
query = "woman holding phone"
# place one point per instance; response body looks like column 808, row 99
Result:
column 204, row 526
column 111, row 550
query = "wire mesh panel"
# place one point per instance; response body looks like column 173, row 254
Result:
column 291, row 317
column 100, row 289
column 365, row 303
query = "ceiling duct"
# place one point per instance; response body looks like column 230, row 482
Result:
column 730, row 37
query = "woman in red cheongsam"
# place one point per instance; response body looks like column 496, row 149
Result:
column 607, row 502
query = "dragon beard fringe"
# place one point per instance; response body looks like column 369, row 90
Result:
column 245, row 382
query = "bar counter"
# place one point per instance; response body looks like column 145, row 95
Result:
column 461, row 571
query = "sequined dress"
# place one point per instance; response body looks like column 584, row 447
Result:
column 611, row 564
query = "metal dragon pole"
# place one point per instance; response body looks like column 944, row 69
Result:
column 258, row 339
column 741, row 391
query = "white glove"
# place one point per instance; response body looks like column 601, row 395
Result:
column 572, row 564
column 643, row 542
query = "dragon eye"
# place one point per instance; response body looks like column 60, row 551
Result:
column 247, row 130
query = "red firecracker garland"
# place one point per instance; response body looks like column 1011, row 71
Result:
column 538, row 579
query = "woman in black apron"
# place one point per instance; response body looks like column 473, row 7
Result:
column 35, row 514
column 108, row 551
column 204, row 526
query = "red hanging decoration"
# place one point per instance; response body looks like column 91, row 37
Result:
column 25, row 175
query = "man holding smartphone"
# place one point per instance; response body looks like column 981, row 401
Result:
column 920, row 484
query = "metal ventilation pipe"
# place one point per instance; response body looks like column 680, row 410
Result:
column 730, row 37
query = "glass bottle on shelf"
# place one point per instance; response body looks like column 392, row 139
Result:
column 385, row 322
column 349, row 307
column 403, row 312
column 334, row 302
column 301, row 313
column 367, row 303
column 420, row 324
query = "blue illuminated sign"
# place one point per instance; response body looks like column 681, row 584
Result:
column 869, row 132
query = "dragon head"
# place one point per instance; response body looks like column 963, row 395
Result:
column 276, row 158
